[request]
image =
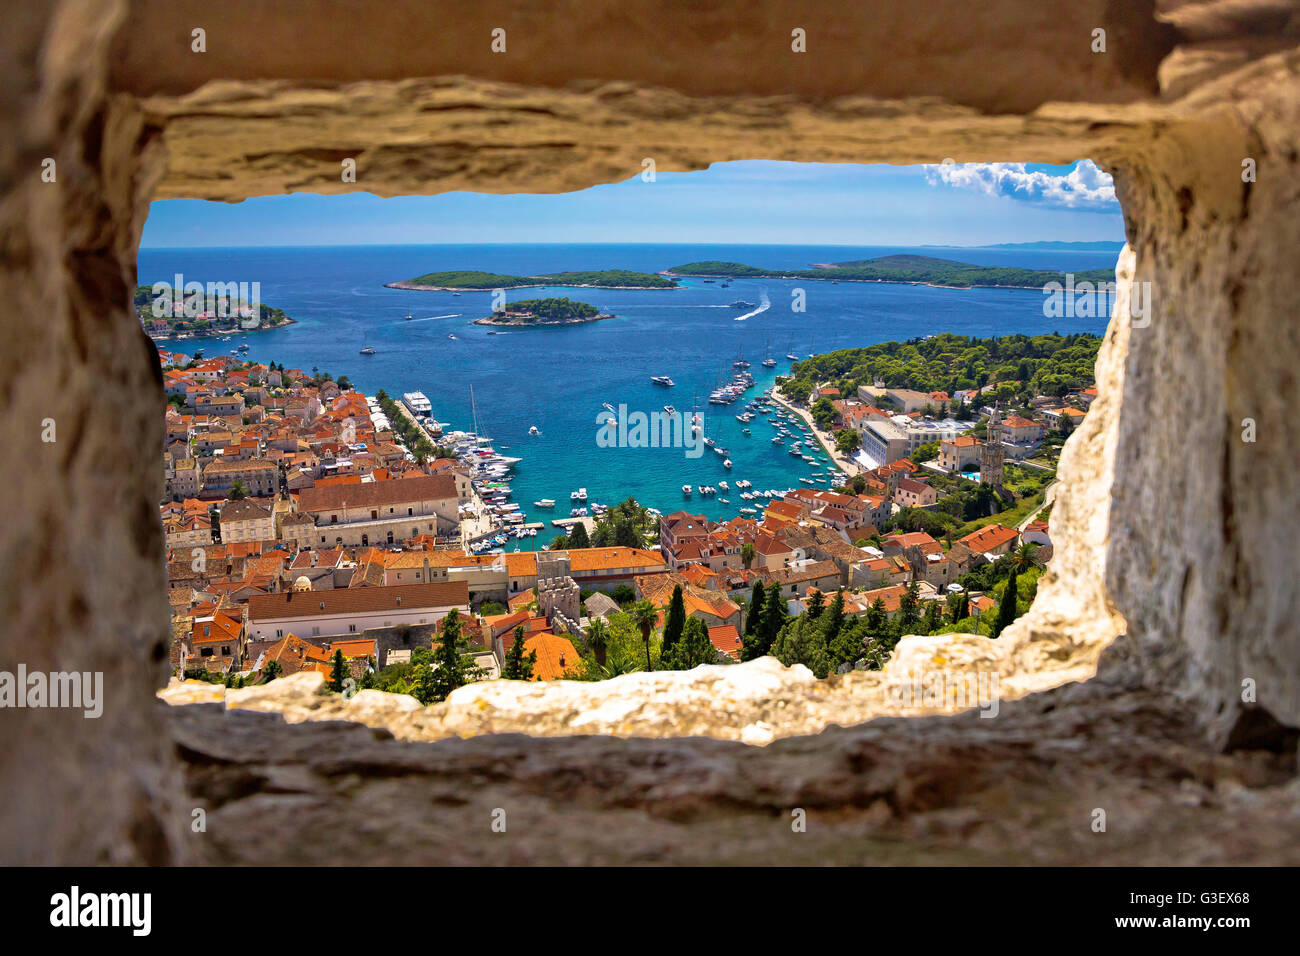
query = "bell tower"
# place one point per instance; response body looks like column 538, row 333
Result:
column 992, row 453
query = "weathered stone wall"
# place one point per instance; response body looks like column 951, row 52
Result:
column 1169, row 527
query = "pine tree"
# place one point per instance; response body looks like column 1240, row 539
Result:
column 846, row 646
column 834, row 618
column 932, row 620
column 909, row 613
column 674, row 623
column 693, row 649
column 271, row 671
column 1007, row 607
column 517, row 666
column 453, row 667
column 751, row 645
column 800, row 641
column 336, row 673
column 578, row 537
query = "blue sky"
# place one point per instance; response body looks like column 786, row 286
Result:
column 741, row 202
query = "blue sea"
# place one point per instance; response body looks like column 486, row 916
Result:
column 558, row 378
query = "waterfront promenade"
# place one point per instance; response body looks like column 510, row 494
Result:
column 846, row 465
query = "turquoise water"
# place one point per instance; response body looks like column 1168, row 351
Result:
column 557, row 379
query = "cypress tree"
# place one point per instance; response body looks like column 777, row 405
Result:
column 773, row 619
column 336, row 673
column 674, row 622
column 816, row 604
column 755, row 608
column 517, row 666
column 1007, row 608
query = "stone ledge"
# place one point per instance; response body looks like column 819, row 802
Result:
column 1020, row 789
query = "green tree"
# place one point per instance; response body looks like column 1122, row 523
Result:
column 578, row 537
column 816, row 604
column 692, row 650
column 452, row 667
column 909, row 610
column 751, row 646
column 932, row 619
column 271, row 671
column 834, row 618
column 518, row 666
column 958, row 606
column 598, row 639
column 674, row 622
column 847, row 441
column 238, row 490
column 337, row 673
column 645, row 616
column 747, row 554
column 774, row 618
column 1007, row 607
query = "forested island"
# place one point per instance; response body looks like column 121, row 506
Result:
column 167, row 313
column 1046, row 364
column 915, row 270
column 471, row 280
column 535, row 312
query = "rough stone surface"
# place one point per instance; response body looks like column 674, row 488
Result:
column 1170, row 529
column 1020, row 789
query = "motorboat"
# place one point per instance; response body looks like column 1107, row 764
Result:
column 544, row 503
column 686, row 490
column 534, row 430
column 663, row 380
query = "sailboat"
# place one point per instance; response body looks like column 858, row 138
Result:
column 790, row 354
column 768, row 361
column 366, row 349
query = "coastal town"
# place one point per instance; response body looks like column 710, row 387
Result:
column 311, row 527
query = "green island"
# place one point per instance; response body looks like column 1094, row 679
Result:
column 915, row 270
column 535, row 312
column 470, row 280
column 220, row 311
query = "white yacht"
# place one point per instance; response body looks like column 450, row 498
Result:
column 544, row 503
column 534, row 430
column 686, row 490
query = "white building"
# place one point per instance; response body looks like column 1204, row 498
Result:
column 307, row 613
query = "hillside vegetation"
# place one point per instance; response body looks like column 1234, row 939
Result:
column 1049, row 364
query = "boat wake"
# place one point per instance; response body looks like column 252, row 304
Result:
column 764, row 305
column 430, row 318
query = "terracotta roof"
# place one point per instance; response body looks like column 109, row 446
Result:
column 556, row 656
column 989, row 537
column 726, row 639
column 286, row 604
column 377, row 493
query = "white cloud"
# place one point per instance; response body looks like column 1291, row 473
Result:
column 1085, row 187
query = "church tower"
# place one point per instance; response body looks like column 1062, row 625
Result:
column 992, row 453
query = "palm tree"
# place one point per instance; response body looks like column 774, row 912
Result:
column 645, row 616
column 1023, row 557
column 747, row 554
column 598, row 639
